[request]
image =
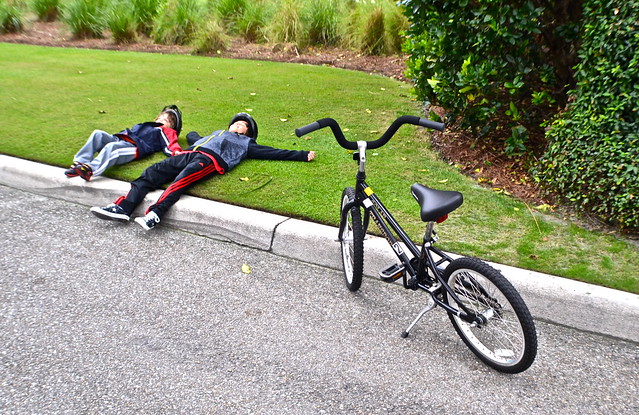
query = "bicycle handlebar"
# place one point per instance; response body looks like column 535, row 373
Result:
column 388, row 134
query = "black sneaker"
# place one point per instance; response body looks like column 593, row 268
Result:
column 85, row 171
column 111, row 212
column 192, row 137
column 149, row 221
column 73, row 170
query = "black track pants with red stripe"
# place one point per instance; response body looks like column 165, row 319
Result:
column 184, row 170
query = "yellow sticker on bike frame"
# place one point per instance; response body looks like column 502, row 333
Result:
column 368, row 191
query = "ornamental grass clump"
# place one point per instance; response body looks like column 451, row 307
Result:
column 85, row 18
column 46, row 10
column 322, row 22
column 11, row 17
column 210, row 39
column 178, row 22
column 122, row 22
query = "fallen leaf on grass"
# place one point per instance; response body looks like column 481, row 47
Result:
column 544, row 207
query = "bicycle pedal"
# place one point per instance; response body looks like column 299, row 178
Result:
column 392, row 273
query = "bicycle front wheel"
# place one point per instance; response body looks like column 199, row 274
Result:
column 506, row 340
column 352, row 243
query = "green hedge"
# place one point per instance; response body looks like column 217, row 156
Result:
column 499, row 67
column 594, row 146
column 510, row 68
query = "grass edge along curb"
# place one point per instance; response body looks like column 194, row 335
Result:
column 101, row 89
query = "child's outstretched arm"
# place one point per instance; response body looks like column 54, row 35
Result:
column 258, row 151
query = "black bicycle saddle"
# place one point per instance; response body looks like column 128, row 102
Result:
column 435, row 204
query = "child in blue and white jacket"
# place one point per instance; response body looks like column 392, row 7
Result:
column 128, row 145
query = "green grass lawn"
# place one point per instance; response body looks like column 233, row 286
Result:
column 53, row 98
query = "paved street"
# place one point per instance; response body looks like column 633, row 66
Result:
column 103, row 318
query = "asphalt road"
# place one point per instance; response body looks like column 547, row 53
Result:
column 103, row 318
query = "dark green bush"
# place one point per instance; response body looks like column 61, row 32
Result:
column 594, row 146
column 499, row 67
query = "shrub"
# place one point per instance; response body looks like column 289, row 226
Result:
column 593, row 147
column 229, row 11
column 122, row 22
column 375, row 28
column 373, row 41
column 495, row 65
column 210, row 39
column 11, row 17
column 396, row 26
column 178, row 21
column 46, row 10
column 322, row 22
column 85, row 18
column 286, row 25
column 251, row 23
column 145, row 12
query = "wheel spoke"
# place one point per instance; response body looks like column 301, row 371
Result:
column 506, row 339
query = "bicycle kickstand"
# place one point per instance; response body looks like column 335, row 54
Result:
column 429, row 306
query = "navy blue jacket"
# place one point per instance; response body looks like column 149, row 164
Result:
column 151, row 137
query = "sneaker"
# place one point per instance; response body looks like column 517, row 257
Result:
column 149, row 221
column 111, row 212
column 192, row 137
column 72, row 171
column 85, row 171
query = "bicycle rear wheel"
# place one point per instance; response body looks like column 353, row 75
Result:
column 507, row 340
column 352, row 243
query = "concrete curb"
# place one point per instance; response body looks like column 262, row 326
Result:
column 554, row 299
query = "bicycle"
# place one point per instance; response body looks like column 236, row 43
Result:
column 485, row 309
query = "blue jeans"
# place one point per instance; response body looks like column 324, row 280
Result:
column 111, row 151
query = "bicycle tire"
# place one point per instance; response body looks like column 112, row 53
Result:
column 507, row 341
column 352, row 243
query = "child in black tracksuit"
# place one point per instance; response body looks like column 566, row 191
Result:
column 214, row 154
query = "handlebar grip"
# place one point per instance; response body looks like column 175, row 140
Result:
column 433, row 125
column 307, row 129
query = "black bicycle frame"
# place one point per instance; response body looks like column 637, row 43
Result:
column 365, row 198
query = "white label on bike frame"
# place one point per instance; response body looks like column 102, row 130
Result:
column 367, row 203
column 398, row 248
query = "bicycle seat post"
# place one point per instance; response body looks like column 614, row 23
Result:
column 430, row 236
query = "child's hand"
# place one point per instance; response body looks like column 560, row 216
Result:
column 311, row 155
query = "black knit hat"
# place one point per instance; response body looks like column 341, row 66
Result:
column 252, row 125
